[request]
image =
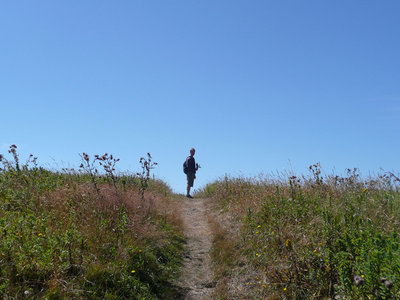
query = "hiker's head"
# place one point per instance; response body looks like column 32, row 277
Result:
column 192, row 151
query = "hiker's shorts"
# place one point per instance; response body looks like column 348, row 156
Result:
column 190, row 178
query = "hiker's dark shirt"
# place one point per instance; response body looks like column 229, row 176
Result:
column 191, row 164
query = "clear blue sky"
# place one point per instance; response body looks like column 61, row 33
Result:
column 254, row 86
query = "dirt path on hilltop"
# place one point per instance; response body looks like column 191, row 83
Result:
column 197, row 275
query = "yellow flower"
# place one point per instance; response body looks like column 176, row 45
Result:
column 315, row 251
column 284, row 289
column 259, row 226
column 362, row 276
column 256, row 232
column 364, row 190
column 247, row 283
column 273, row 232
column 257, row 254
column 140, row 250
column 133, row 271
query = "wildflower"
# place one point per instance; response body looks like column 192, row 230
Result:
column 358, row 280
column 388, row 283
column 247, row 283
column 315, row 251
column 257, row 254
column 259, row 226
column 140, row 251
column 133, row 271
column 364, row 190
column 85, row 156
column 288, row 243
column 273, row 232
column 284, row 289
column 257, row 232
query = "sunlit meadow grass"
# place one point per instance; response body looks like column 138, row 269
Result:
column 308, row 237
column 80, row 235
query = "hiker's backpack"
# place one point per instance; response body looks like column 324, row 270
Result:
column 185, row 167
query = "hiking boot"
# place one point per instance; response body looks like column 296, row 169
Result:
column 188, row 196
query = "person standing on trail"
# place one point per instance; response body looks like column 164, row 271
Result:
column 189, row 168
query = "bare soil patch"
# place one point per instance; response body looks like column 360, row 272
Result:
column 197, row 275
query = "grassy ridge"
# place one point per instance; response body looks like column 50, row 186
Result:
column 308, row 237
column 64, row 238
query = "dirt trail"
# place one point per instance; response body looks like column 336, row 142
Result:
column 197, row 276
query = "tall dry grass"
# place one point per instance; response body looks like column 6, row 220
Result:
column 307, row 236
column 74, row 235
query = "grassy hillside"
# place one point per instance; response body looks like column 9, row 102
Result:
column 307, row 237
column 86, row 234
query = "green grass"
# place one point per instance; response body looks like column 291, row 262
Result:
column 310, row 237
column 62, row 238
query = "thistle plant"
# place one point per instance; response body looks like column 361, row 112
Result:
column 88, row 167
column 13, row 151
column 315, row 169
column 6, row 163
column 108, row 162
column 144, row 175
